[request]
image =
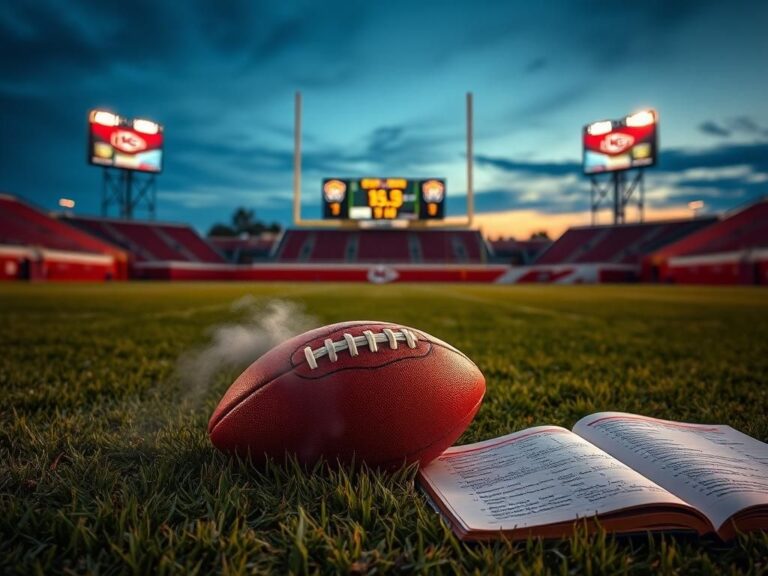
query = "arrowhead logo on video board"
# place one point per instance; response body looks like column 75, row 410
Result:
column 616, row 143
column 128, row 142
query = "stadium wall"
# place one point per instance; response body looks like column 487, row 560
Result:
column 571, row 274
column 724, row 268
column 40, row 264
column 377, row 274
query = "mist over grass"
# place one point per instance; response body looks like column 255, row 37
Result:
column 236, row 345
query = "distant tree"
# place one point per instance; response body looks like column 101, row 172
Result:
column 244, row 221
column 540, row 235
column 221, row 230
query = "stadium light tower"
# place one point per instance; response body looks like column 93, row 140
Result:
column 615, row 147
column 126, row 148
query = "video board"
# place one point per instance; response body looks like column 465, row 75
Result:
column 384, row 198
column 612, row 145
column 118, row 142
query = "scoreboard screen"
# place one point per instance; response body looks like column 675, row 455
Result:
column 117, row 142
column 383, row 199
column 612, row 145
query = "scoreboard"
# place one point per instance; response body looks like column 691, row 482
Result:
column 383, row 199
column 129, row 144
column 613, row 145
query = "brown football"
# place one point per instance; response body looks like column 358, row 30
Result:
column 365, row 391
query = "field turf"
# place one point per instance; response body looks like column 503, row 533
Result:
column 105, row 465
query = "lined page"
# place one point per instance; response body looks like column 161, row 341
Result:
column 539, row 476
column 717, row 469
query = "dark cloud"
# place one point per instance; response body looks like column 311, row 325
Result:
column 714, row 129
column 747, row 125
column 534, row 168
column 752, row 155
column 531, row 111
column 674, row 160
column 639, row 31
column 722, row 191
column 741, row 125
column 536, row 65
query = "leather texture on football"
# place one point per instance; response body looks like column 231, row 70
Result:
column 363, row 391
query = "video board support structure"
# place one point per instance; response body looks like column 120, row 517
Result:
column 623, row 190
column 297, row 152
column 128, row 191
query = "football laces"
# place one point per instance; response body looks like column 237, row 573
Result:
column 368, row 339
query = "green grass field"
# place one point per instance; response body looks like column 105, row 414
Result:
column 105, row 465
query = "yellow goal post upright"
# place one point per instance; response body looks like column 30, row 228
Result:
column 459, row 222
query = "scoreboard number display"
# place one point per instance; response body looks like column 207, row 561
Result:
column 383, row 199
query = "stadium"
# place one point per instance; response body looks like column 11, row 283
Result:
column 366, row 238
column 390, row 354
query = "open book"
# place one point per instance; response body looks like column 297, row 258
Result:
column 630, row 472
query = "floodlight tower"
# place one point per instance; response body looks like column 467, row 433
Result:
column 129, row 150
column 616, row 147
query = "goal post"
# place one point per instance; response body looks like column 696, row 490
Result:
column 458, row 222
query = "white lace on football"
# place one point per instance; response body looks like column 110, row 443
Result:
column 352, row 343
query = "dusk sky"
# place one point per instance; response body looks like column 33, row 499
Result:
column 384, row 86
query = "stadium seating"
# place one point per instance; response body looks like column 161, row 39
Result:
column 568, row 245
column 623, row 244
column 21, row 224
column 733, row 250
column 244, row 249
column 151, row 241
column 38, row 247
column 382, row 246
column 518, row 252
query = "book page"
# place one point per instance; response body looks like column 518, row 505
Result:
column 717, row 469
column 539, row 476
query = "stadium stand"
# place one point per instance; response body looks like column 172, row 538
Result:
column 518, row 252
column 734, row 250
column 35, row 246
column 383, row 246
column 150, row 241
column 625, row 244
column 608, row 253
column 244, row 249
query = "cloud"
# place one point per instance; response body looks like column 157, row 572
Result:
column 530, row 167
column 725, row 175
column 747, row 125
column 536, row 65
column 738, row 125
column 714, row 129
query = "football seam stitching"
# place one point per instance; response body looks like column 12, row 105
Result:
column 265, row 384
column 292, row 367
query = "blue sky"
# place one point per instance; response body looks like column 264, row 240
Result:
column 383, row 87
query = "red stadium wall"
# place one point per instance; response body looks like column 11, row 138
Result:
column 319, row 273
column 571, row 274
column 25, row 263
column 727, row 268
column 13, row 262
column 74, row 267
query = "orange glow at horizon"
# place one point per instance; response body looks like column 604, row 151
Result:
column 521, row 224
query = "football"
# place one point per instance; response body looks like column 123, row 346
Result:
column 364, row 391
